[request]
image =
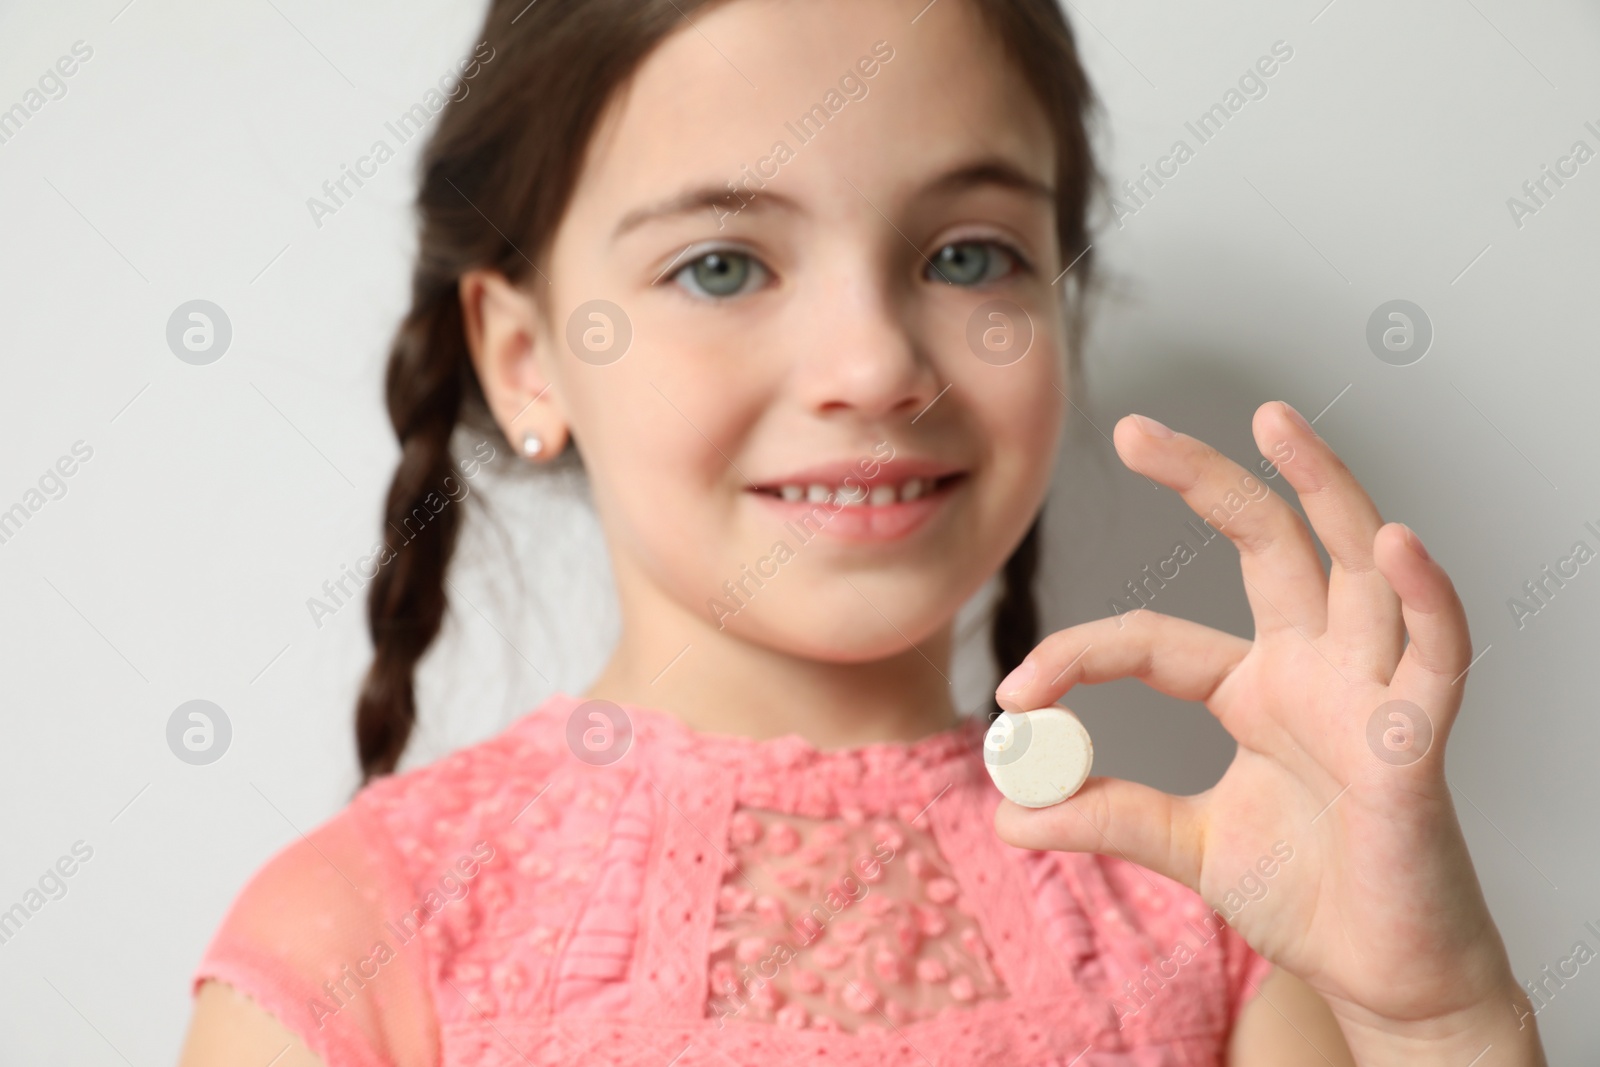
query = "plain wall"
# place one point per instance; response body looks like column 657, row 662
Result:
column 219, row 498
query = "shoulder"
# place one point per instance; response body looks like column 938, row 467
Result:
column 304, row 940
column 336, row 935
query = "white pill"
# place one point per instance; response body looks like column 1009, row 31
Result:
column 1038, row 758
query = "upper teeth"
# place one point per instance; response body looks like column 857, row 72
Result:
column 855, row 495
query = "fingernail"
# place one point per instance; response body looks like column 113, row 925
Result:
column 1152, row 427
column 1021, row 676
column 1299, row 419
column 1416, row 542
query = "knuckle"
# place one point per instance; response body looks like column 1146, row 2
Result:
column 1257, row 538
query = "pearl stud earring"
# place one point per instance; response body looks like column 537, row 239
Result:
column 531, row 445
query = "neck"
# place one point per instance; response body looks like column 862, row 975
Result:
column 715, row 681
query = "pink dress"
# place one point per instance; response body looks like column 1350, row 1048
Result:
column 578, row 890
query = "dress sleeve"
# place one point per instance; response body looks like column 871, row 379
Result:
column 310, row 938
column 1245, row 969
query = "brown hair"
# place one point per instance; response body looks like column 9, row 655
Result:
column 496, row 176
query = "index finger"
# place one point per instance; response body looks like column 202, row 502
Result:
column 1284, row 580
column 1174, row 656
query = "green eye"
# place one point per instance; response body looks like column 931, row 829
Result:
column 719, row 274
column 971, row 263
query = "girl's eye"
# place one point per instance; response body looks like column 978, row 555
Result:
column 972, row 262
column 720, row 274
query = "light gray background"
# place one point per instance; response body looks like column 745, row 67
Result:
column 219, row 498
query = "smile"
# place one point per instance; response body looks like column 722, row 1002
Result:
column 858, row 495
column 885, row 511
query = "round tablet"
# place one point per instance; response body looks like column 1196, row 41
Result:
column 1038, row 758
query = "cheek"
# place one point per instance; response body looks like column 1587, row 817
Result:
column 1025, row 406
column 1006, row 353
column 1020, row 413
column 657, row 442
column 1020, row 410
column 653, row 447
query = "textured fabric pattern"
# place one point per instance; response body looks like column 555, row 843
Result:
column 709, row 899
column 844, row 925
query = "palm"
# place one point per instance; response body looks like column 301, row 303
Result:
column 1377, row 907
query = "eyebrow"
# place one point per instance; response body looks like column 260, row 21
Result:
column 702, row 198
column 963, row 178
column 991, row 170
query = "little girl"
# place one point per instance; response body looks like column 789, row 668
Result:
column 801, row 282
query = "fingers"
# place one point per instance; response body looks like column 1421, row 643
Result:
column 1114, row 817
column 1363, row 610
column 1174, row 656
column 1429, row 674
column 1283, row 574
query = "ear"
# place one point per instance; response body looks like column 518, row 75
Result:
column 502, row 324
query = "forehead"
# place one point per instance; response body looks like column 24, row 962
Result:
column 715, row 100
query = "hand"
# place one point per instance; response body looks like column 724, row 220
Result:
column 1341, row 728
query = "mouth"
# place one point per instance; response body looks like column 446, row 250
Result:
column 858, row 494
column 887, row 507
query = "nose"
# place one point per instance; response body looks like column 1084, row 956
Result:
column 857, row 349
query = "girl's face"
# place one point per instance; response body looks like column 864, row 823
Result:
column 850, row 321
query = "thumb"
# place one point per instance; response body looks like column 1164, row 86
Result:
column 1114, row 817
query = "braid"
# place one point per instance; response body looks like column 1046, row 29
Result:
column 406, row 599
column 1016, row 618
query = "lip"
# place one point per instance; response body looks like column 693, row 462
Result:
column 862, row 523
column 890, row 472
